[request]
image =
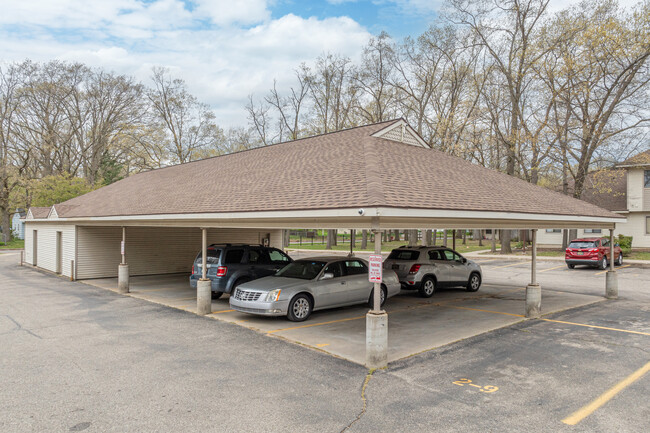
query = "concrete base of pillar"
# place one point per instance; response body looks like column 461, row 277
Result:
column 204, row 297
column 533, row 300
column 376, row 340
column 123, row 278
column 611, row 285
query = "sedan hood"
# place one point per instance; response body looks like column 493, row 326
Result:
column 267, row 284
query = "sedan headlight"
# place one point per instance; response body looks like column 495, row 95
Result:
column 273, row 295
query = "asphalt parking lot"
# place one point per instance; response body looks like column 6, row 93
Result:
column 77, row 357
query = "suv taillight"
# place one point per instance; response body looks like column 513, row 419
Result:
column 192, row 269
column 414, row 269
column 221, row 271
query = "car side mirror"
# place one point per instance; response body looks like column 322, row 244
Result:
column 327, row 276
column 463, row 259
column 616, row 245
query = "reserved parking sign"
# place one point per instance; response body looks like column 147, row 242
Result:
column 374, row 273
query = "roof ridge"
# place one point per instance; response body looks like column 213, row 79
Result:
column 374, row 184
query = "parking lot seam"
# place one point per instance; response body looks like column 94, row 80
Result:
column 607, row 270
column 587, row 410
column 597, row 327
column 363, row 400
column 315, row 324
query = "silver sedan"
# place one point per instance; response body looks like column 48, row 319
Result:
column 312, row 284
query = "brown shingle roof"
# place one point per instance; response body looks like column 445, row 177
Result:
column 640, row 159
column 346, row 169
column 40, row 212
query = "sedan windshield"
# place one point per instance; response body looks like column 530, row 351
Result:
column 303, row 269
column 582, row 244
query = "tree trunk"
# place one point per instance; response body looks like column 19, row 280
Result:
column 428, row 241
column 407, row 234
column 413, row 238
column 335, row 237
column 444, row 238
column 353, row 238
column 464, row 237
column 434, row 237
column 397, row 236
column 364, row 239
column 329, row 240
column 505, row 235
column 494, row 241
column 287, row 238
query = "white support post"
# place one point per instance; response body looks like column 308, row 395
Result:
column 533, row 290
column 377, row 324
column 611, row 278
column 123, row 268
column 204, row 285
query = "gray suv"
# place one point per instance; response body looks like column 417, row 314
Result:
column 427, row 268
column 230, row 265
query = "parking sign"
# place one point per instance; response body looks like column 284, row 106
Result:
column 374, row 273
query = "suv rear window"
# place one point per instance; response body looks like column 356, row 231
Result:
column 234, row 256
column 404, row 255
column 213, row 256
column 582, row 245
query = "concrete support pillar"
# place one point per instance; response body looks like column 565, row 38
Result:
column 533, row 290
column 123, row 268
column 611, row 278
column 123, row 278
column 204, row 285
column 377, row 324
column 376, row 340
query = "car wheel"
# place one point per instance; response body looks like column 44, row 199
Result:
column 571, row 266
column 299, row 308
column 382, row 297
column 603, row 263
column 474, row 282
column 216, row 295
column 428, row 287
column 619, row 261
column 237, row 284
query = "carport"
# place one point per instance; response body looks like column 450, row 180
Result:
column 396, row 182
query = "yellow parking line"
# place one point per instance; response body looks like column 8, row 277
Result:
column 550, row 269
column 222, row 311
column 598, row 327
column 316, row 324
column 605, row 271
column 156, row 290
column 587, row 410
column 507, row 266
column 484, row 311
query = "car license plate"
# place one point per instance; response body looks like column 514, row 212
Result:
column 579, row 253
column 395, row 267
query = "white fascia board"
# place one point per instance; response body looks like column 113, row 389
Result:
column 380, row 212
column 645, row 164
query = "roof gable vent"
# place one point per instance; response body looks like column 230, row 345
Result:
column 400, row 131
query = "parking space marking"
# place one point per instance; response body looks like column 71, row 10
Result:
column 222, row 311
column 597, row 327
column 606, row 270
column 322, row 344
column 316, row 324
column 587, row 410
column 550, row 269
column 486, row 388
column 488, row 261
column 507, row 266
column 478, row 309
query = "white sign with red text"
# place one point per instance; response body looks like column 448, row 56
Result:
column 374, row 273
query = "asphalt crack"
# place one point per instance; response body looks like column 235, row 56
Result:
column 363, row 400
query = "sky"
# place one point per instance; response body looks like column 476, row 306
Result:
column 225, row 50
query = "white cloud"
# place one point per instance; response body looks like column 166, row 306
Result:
column 226, row 12
column 222, row 65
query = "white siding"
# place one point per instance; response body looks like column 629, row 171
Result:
column 635, row 227
column 46, row 245
column 153, row 250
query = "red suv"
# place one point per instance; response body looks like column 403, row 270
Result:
column 591, row 252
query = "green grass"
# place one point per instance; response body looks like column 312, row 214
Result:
column 639, row 255
column 388, row 246
column 14, row 244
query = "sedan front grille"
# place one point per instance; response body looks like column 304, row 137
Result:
column 245, row 295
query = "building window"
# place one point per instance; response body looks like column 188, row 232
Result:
column 553, row 230
column 593, row 231
column 647, row 225
column 646, row 178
